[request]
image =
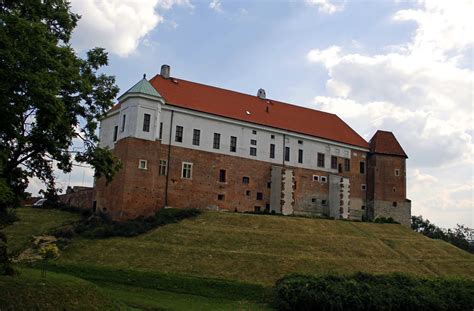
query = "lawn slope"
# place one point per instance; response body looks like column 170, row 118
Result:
column 260, row 249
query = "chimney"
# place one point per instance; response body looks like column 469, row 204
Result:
column 165, row 71
column 261, row 94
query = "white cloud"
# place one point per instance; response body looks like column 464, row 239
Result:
column 422, row 91
column 326, row 6
column 216, row 5
column 117, row 25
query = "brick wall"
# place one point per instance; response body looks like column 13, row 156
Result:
column 82, row 199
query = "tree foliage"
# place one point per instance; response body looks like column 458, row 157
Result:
column 50, row 98
column 461, row 236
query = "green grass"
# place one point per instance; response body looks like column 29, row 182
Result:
column 261, row 249
column 30, row 291
column 34, row 222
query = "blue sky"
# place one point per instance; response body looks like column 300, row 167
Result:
column 402, row 66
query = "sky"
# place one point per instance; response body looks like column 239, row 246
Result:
column 400, row 66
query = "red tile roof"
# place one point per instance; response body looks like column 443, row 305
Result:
column 244, row 107
column 385, row 143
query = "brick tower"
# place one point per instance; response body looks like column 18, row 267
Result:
column 386, row 179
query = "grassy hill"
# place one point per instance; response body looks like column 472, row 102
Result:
column 222, row 261
column 260, row 249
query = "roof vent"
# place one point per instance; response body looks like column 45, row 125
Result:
column 165, row 71
column 261, row 94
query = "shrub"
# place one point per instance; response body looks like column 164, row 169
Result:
column 363, row 291
column 385, row 220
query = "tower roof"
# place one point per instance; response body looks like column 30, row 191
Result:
column 142, row 87
column 384, row 142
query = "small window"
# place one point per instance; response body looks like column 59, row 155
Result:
column 324, row 179
column 394, row 189
column 179, row 134
column 142, row 164
column 323, row 202
column 196, row 137
column 320, row 159
column 394, row 204
column 217, row 141
column 363, row 207
column 267, row 207
column 257, row 209
column 247, row 193
column 187, row 170
column 259, row 196
column 269, row 184
column 220, row 197
column 272, row 136
column 254, row 132
column 362, row 167
column 245, row 180
column 347, row 165
column 287, row 153
column 221, row 175
column 397, row 172
column 300, row 155
column 272, row 151
column 363, row 187
column 163, row 167
column 313, row 200
column 115, row 133
column 233, row 144
column 315, row 178
column 334, row 163
column 146, row 122
column 124, row 118
column 300, row 142
column 253, row 142
column 161, row 130
column 253, row 151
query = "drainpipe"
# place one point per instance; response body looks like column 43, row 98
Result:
column 284, row 149
column 169, row 158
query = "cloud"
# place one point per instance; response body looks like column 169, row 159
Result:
column 422, row 91
column 326, row 6
column 216, row 5
column 118, row 25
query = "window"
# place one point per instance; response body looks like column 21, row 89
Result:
column 221, row 175
column 363, row 187
column 233, row 144
column 247, row 193
column 320, row 159
column 179, row 134
column 272, row 151
column 362, row 167
column 347, row 165
column 253, row 142
column 217, row 141
column 363, row 207
column 324, row 179
column 394, row 204
column 397, row 172
column 323, row 202
column 124, row 117
column 187, row 170
column 115, row 133
column 269, row 184
column 254, row 132
column 196, row 137
column 334, row 163
column 163, row 166
column 245, row 180
column 220, row 197
column 146, row 122
column 313, row 200
column 287, row 153
column 300, row 142
column 142, row 164
column 272, row 136
column 253, row 151
column 256, row 209
column 300, row 155
column 161, row 130
column 267, row 205
column 315, row 178
column 259, row 196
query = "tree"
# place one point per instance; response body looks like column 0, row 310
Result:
column 49, row 97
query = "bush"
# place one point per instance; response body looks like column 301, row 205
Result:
column 96, row 227
column 363, row 291
column 385, row 220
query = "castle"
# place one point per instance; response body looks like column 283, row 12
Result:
column 185, row 144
